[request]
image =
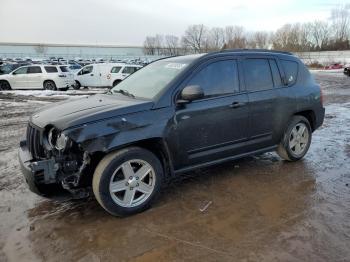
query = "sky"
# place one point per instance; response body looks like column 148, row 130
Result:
column 128, row 22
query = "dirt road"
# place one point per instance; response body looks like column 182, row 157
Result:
column 255, row 209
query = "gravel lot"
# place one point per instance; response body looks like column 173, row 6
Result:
column 255, row 209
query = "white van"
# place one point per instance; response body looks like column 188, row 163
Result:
column 103, row 75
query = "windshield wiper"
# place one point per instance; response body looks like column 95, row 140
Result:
column 124, row 92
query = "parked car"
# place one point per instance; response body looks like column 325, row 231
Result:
column 334, row 66
column 103, row 75
column 9, row 67
column 48, row 77
column 172, row 116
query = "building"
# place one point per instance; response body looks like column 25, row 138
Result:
column 37, row 50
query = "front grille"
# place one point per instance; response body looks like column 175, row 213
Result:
column 34, row 142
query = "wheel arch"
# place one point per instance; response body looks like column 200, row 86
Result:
column 310, row 116
column 6, row 81
column 116, row 81
column 156, row 145
column 48, row 80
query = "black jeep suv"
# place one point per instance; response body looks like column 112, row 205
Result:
column 174, row 115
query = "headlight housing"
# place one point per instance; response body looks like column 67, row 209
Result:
column 57, row 139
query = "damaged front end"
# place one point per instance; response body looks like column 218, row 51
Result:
column 49, row 157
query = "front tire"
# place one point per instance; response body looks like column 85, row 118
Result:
column 116, row 82
column 127, row 181
column 77, row 85
column 296, row 139
column 4, row 85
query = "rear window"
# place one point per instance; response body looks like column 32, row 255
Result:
column 291, row 70
column 34, row 70
column 64, row 68
column 116, row 69
column 257, row 74
column 51, row 69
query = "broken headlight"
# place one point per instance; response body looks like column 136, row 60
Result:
column 57, row 139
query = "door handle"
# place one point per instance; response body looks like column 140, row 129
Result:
column 237, row 104
column 91, row 74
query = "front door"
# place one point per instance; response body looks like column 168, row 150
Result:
column 86, row 76
column 18, row 78
column 214, row 127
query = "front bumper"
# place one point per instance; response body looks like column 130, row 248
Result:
column 36, row 173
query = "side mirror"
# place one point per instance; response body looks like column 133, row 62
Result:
column 191, row 93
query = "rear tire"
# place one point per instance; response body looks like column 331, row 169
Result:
column 127, row 181
column 77, row 85
column 4, row 85
column 296, row 140
column 50, row 85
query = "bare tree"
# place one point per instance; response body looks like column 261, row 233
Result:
column 340, row 22
column 259, row 39
column 235, row 37
column 320, row 34
column 195, row 38
column 149, row 45
column 159, row 44
column 216, row 38
column 172, row 45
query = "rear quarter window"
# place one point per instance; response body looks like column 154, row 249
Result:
column 291, row 71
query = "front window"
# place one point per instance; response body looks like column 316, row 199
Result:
column 86, row 70
column 21, row 71
column 150, row 80
column 116, row 69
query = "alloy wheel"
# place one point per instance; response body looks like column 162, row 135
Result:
column 299, row 139
column 132, row 183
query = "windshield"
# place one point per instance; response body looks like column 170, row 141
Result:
column 5, row 69
column 150, row 80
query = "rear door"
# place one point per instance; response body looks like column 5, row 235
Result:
column 35, row 77
column 262, row 98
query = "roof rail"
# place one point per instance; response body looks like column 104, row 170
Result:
column 256, row 50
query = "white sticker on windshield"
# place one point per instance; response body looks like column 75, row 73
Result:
column 175, row 65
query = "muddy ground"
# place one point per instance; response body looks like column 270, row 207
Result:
column 255, row 209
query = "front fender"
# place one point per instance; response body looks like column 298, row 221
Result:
column 106, row 135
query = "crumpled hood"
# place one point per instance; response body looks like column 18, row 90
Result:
column 81, row 111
